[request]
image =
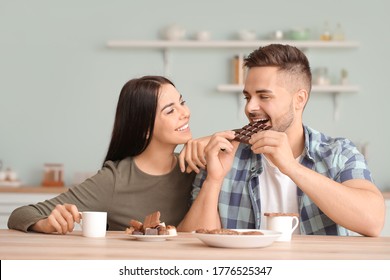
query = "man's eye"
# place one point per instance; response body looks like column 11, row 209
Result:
column 182, row 102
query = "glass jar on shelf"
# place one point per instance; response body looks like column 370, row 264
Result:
column 326, row 34
column 53, row 174
column 321, row 76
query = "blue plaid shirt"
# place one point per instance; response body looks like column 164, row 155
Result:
column 239, row 199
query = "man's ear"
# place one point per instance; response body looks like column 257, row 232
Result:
column 301, row 97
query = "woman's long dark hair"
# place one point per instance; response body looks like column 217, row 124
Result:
column 135, row 116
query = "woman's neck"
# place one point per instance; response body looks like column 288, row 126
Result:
column 156, row 161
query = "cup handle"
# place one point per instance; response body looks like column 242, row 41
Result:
column 81, row 220
column 296, row 223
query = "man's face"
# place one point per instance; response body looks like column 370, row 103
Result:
column 267, row 98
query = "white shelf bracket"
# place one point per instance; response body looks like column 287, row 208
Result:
column 336, row 109
column 166, row 61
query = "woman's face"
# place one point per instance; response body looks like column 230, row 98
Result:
column 171, row 125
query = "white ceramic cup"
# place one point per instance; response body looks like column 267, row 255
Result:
column 283, row 224
column 94, row 224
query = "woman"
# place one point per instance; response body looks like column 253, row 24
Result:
column 140, row 173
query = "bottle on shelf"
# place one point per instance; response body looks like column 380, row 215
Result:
column 338, row 34
column 238, row 69
column 326, row 34
column 344, row 77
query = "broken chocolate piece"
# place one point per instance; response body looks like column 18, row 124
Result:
column 151, row 231
column 137, row 225
column 152, row 220
column 244, row 134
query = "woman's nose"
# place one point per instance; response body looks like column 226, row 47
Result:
column 184, row 112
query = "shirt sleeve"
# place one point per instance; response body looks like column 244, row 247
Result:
column 93, row 194
column 354, row 164
column 197, row 184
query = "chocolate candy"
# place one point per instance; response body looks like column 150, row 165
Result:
column 244, row 134
column 152, row 220
column 151, row 231
column 151, row 226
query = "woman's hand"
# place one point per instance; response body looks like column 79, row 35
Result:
column 60, row 220
column 193, row 155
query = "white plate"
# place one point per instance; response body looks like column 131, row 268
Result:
column 239, row 241
column 151, row 238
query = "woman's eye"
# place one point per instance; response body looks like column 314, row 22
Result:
column 183, row 102
column 170, row 111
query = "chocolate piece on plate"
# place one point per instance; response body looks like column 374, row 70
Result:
column 171, row 230
column 244, row 134
column 152, row 220
column 130, row 230
column 137, row 225
column 163, row 231
column 151, row 231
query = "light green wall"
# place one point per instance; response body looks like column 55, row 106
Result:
column 60, row 83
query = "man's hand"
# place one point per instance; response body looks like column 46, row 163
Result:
column 60, row 220
column 276, row 147
column 220, row 153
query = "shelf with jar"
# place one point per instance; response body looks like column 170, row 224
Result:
column 166, row 45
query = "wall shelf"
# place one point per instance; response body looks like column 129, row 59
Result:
column 166, row 44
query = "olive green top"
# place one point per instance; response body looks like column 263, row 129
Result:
column 123, row 191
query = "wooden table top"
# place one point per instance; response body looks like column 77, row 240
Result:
column 15, row 245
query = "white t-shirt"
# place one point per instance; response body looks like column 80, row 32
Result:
column 278, row 193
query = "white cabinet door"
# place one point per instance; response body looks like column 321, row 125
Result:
column 11, row 201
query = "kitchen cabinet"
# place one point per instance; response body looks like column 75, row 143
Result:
column 12, row 198
column 166, row 46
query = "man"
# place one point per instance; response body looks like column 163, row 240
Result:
column 289, row 168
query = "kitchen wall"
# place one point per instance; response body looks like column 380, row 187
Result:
column 59, row 83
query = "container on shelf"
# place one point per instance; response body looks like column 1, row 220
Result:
column 321, row 77
column 53, row 175
column 238, row 69
column 326, row 35
column 338, row 34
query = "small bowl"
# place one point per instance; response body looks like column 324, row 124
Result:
column 246, row 35
column 299, row 34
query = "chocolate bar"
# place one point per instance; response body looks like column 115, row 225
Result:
column 244, row 134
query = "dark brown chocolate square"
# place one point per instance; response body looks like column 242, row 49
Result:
column 244, row 134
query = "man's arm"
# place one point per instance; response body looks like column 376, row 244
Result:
column 204, row 210
column 355, row 204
